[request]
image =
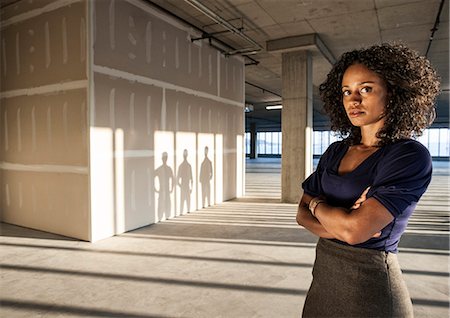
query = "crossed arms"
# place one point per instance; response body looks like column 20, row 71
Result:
column 364, row 220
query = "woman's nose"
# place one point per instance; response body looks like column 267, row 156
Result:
column 355, row 98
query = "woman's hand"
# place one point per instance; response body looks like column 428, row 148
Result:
column 358, row 203
column 360, row 200
column 309, row 222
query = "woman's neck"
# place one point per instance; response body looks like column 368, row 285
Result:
column 369, row 138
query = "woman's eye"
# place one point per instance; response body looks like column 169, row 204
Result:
column 366, row 89
column 346, row 93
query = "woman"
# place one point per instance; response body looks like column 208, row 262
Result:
column 366, row 186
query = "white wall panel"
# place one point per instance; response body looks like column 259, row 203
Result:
column 43, row 111
column 162, row 91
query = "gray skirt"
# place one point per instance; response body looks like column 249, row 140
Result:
column 356, row 282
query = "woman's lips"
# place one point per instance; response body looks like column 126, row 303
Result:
column 355, row 113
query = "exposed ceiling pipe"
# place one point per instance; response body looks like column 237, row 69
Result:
column 263, row 89
column 221, row 21
column 206, row 35
column 435, row 27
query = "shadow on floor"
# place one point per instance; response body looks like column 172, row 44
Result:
column 18, row 231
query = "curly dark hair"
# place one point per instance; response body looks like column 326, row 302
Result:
column 412, row 86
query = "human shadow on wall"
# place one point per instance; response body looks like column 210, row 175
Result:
column 165, row 179
column 206, row 174
column 185, row 182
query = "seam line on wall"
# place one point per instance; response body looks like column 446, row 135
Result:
column 52, row 88
column 37, row 12
column 44, row 168
column 149, row 81
column 72, row 169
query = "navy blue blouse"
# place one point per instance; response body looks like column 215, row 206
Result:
column 398, row 175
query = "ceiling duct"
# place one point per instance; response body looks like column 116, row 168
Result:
column 221, row 21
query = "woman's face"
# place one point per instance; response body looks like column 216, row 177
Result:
column 364, row 95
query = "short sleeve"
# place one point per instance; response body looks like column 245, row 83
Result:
column 403, row 175
column 312, row 185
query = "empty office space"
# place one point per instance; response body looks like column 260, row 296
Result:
column 152, row 153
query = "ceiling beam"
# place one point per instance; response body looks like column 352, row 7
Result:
column 300, row 42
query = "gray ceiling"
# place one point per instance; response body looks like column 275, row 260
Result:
column 342, row 25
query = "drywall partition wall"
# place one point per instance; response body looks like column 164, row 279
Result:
column 43, row 116
column 166, row 119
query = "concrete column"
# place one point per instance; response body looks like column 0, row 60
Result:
column 253, row 141
column 296, row 123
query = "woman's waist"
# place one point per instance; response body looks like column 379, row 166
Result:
column 357, row 255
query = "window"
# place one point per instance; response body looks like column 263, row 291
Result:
column 268, row 143
column 437, row 140
column 247, row 143
column 444, row 142
column 321, row 141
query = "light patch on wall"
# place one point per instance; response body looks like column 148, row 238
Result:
column 33, row 129
column 164, row 36
column 234, row 78
column 49, row 125
column 83, row 125
column 163, row 110
column 209, row 120
column 199, row 62
column 119, row 180
column 33, row 199
column 226, row 74
column 64, row 40
column 112, row 23
column 17, row 53
column 177, row 120
column 219, row 56
column 7, row 195
column 31, row 50
column 150, row 186
column 148, row 110
column 205, row 157
column 164, row 174
column 65, row 125
column 177, row 54
column 112, row 106
column 189, row 58
column 102, row 183
column 219, row 168
column 4, row 57
column 20, row 190
column 239, row 166
column 19, row 131
column 133, row 190
column 148, row 42
column 189, row 118
column 131, row 108
column 131, row 37
column 83, row 40
column 210, row 69
column 186, row 172
column 47, row 45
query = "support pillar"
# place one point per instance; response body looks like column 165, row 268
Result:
column 253, row 141
column 296, row 123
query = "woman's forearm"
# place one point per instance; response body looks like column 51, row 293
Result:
column 335, row 220
column 309, row 222
column 356, row 225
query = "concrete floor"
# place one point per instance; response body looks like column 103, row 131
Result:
column 245, row 258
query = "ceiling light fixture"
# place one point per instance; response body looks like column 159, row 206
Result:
column 273, row 107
